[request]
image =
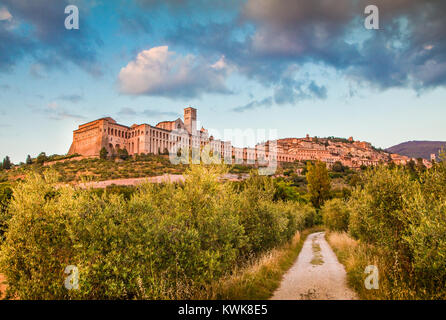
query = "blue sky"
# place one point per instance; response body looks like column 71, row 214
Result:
column 297, row 66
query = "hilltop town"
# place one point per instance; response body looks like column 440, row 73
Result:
column 105, row 133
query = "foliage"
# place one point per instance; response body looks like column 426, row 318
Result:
column 6, row 163
column 103, row 153
column 164, row 242
column 5, row 198
column 338, row 167
column 404, row 218
column 123, row 154
column 318, row 183
column 285, row 191
column 99, row 169
column 335, row 215
column 41, row 158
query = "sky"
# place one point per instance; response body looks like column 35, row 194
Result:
column 295, row 66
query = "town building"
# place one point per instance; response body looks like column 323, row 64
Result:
column 170, row 136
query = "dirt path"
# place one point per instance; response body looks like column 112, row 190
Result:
column 316, row 275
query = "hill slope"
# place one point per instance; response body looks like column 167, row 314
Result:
column 418, row 149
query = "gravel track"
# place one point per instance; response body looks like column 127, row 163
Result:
column 316, row 275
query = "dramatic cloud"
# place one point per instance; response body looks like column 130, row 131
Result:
column 292, row 93
column 289, row 91
column 36, row 29
column 160, row 72
column 204, row 6
column 259, row 39
column 403, row 53
column 268, row 36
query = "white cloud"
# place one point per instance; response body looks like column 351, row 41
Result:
column 161, row 72
column 4, row 14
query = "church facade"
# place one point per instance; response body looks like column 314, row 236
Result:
column 91, row 137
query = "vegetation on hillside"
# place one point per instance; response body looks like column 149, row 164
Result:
column 398, row 218
column 98, row 169
column 165, row 241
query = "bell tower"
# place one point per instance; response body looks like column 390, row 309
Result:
column 190, row 119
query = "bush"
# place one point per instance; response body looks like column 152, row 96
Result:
column 285, row 191
column 165, row 242
column 405, row 218
column 319, row 184
column 377, row 208
column 335, row 215
column 5, row 198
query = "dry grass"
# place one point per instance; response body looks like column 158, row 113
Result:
column 345, row 248
column 355, row 256
column 341, row 241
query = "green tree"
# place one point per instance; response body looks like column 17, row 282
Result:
column 41, row 158
column 103, row 153
column 285, row 191
column 420, row 165
column 335, row 215
column 5, row 198
column 29, row 160
column 337, row 167
column 6, row 163
column 123, row 154
column 319, row 184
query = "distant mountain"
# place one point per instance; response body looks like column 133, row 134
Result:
column 418, row 149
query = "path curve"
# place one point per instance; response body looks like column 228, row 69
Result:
column 316, row 275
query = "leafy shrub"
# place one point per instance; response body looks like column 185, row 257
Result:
column 158, row 242
column 377, row 208
column 5, row 198
column 406, row 219
column 285, row 191
column 335, row 215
